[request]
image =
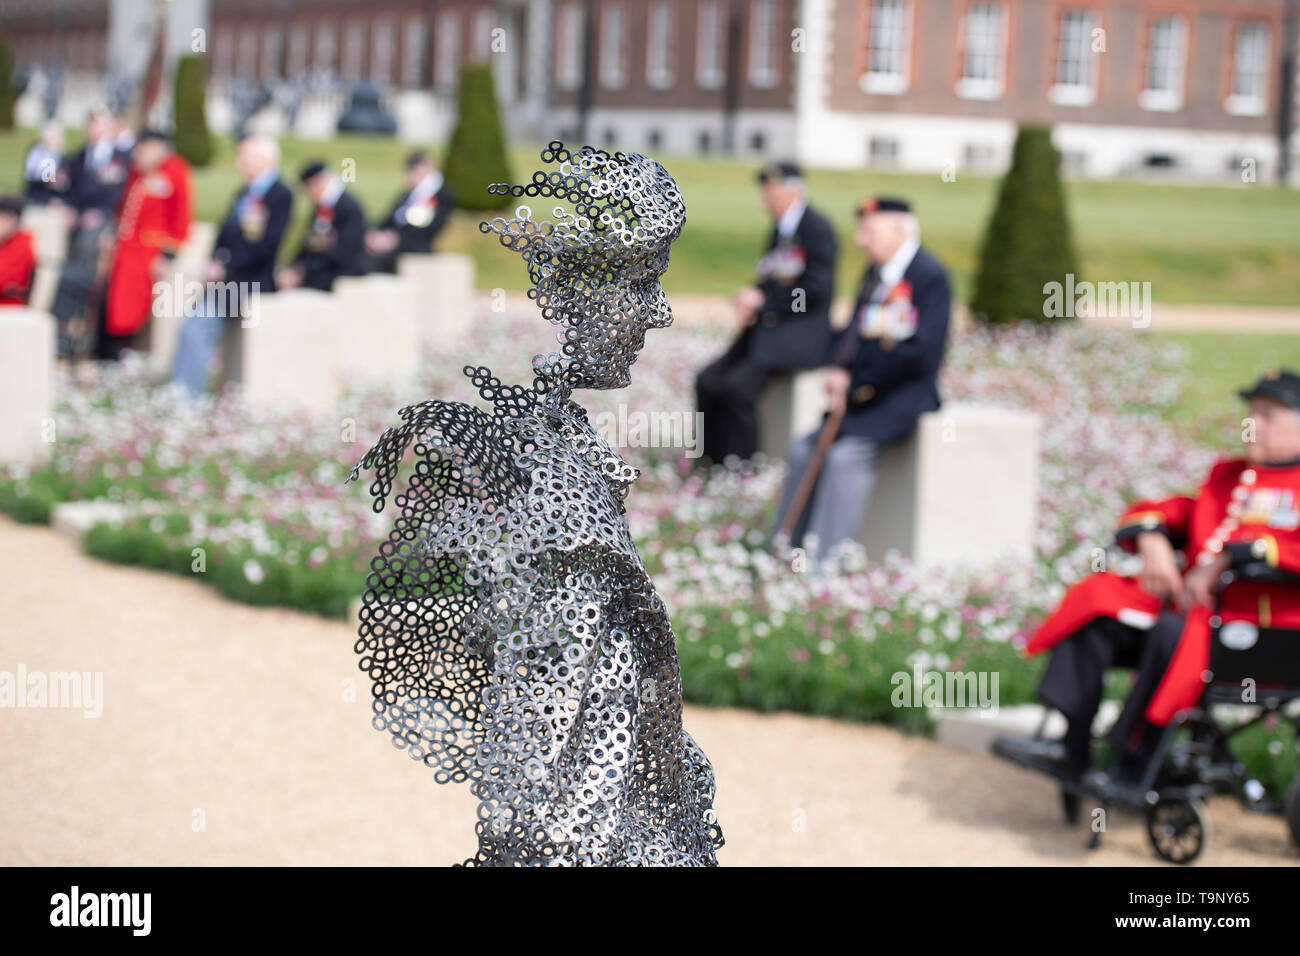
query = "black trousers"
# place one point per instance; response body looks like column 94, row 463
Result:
column 1073, row 681
column 726, row 394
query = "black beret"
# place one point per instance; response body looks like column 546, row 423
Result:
column 1280, row 384
column 415, row 157
column 153, row 135
column 883, row 204
column 781, row 170
column 12, row 204
column 310, row 170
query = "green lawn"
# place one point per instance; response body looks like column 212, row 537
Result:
column 1192, row 243
column 1218, row 364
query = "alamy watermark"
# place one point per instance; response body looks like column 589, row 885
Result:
column 1114, row 300
column 178, row 298
column 943, row 688
column 641, row 429
column 69, row 690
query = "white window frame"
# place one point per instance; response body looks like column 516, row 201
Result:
column 299, row 58
column 1074, row 93
column 993, row 43
column 481, row 27
column 660, row 23
column 1170, row 98
column 710, row 29
column 1256, row 103
column 224, row 52
column 762, row 44
column 354, row 48
column 568, row 46
column 895, row 81
column 613, row 46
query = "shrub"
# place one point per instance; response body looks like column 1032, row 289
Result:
column 7, row 94
column 193, row 139
column 477, row 155
column 1027, row 243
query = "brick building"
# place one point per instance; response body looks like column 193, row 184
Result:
column 1129, row 85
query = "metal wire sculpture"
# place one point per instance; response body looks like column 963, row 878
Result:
column 512, row 634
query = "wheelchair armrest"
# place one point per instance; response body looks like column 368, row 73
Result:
column 1262, row 572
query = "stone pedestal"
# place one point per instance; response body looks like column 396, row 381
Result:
column 45, row 283
column 378, row 326
column 790, row 407
column 962, row 490
column 49, row 229
column 26, row 385
column 444, row 292
column 291, row 355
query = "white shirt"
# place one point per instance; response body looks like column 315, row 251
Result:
column 891, row 273
column 789, row 221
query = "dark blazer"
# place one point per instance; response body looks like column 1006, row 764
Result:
column 412, row 238
column 97, row 188
column 334, row 244
column 781, row 337
column 893, row 383
column 248, row 249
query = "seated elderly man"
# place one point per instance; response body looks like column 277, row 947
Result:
column 1158, row 621
column 882, row 375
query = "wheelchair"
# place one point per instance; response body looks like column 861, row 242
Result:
column 1187, row 768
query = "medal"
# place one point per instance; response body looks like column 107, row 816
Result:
column 252, row 222
column 421, row 215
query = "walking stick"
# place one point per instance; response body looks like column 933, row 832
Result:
column 830, row 429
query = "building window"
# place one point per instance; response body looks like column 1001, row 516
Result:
column 446, row 56
column 326, row 46
column 979, row 157
column 983, row 52
column 383, row 49
column 246, row 65
column 762, row 37
column 270, row 53
column 1249, row 93
column 1162, row 87
column 655, row 139
column 889, row 32
column 613, row 58
column 708, row 45
column 659, row 38
column 1075, row 62
column 882, row 151
column 224, row 52
column 481, row 41
column 758, row 141
column 299, row 49
column 568, row 53
column 704, row 141
column 354, row 48
column 413, row 51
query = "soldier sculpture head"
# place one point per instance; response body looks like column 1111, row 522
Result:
column 596, row 268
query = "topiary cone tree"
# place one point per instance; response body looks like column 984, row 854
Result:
column 7, row 94
column 477, row 156
column 1027, row 243
column 193, row 139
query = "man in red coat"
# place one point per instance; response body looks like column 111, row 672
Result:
column 1159, row 621
column 153, row 221
column 17, row 258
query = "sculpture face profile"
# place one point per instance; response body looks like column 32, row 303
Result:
column 596, row 267
column 509, row 628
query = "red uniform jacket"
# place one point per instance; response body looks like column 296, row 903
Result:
column 17, row 266
column 1244, row 508
column 154, row 218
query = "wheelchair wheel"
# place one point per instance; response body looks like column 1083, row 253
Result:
column 1293, row 810
column 1178, row 829
column 1070, row 806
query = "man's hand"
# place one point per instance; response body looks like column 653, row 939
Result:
column 837, row 388
column 216, row 271
column 163, row 269
column 381, row 240
column 92, row 219
column 747, row 302
column 1160, row 576
column 1199, row 583
column 289, row 277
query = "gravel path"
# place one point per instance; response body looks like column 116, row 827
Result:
column 229, row 736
